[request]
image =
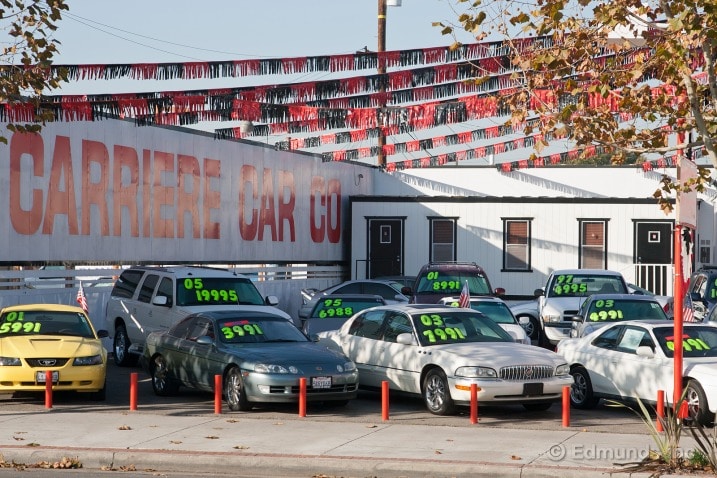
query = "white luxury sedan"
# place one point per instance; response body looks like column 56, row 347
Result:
column 630, row 360
column 438, row 352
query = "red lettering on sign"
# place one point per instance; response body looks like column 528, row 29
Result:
column 188, row 194
column 61, row 189
column 162, row 196
column 29, row 145
column 287, row 204
column 212, row 198
column 94, row 152
column 333, row 211
column 318, row 231
column 248, row 182
column 124, row 194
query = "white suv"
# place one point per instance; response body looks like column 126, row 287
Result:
column 148, row 299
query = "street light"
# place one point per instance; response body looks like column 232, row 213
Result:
column 382, row 70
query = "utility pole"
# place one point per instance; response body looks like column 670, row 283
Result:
column 382, row 84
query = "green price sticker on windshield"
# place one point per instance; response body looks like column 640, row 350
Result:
column 210, row 295
column 688, row 344
column 437, row 329
column 240, row 329
column 607, row 311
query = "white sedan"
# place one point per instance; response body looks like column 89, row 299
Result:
column 629, row 360
column 497, row 310
column 438, row 352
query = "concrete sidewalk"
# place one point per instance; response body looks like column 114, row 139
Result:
column 225, row 443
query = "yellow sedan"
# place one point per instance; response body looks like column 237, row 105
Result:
column 37, row 338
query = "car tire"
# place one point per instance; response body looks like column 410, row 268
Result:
column 436, row 393
column 537, row 407
column 581, row 392
column 162, row 384
column 533, row 330
column 234, row 391
column 120, row 348
column 697, row 405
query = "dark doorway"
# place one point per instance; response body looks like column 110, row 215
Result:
column 385, row 247
column 653, row 250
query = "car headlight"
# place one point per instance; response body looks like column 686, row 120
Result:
column 91, row 360
column 563, row 369
column 273, row 368
column 346, row 367
column 476, row 372
column 10, row 362
column 551, row 318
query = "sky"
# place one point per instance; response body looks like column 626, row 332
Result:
column 176, row 31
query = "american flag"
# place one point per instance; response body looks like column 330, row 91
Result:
column 465, row 299
column 81, row 299
column 688, row 315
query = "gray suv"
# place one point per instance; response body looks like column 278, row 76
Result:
column 149, row 299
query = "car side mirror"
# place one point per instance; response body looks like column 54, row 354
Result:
column 499, row 291
column 161, row 300
column 523, row 320
column 102, row 333
column 539, row 292
column 205, row 340
column 271, row 300
column 405, row 339
column 645, row 351
column 407, row 291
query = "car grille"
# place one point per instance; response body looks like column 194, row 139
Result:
column 526, row 372
column 46, row 362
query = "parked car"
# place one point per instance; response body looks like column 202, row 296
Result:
column 627, row 361
column 564, row 293
column 260, row 355
column 701, row 296
column 599, row 310
column 37, row 338
column 667, row 302
column 148, row 299
column 438, row 352
column 437, row 280
column 390, row 290
column 498, row 311
column 333, row 310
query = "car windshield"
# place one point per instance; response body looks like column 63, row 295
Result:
column 579, row 285
column 329, row 307
column 451, row 283
column 193, row 291
column 262, row 329
column 496, row 311
column 456, row 327
column 699, row 341
column 611, row 310
column 21, row 322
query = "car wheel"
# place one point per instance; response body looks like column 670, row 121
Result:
column 697, row 405
column 120, row 348
column 537, row 407
column 235, row 392
column 581, row 393
column 532, row 329
column 436, row 394
column 162, row 383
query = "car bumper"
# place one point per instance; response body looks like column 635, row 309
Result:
column 505, row 391
column 285, row 388
column 557, row 331
column 82, row 379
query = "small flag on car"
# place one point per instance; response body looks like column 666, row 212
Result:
column 465, row 299
column 81, row 299
column 688, row 315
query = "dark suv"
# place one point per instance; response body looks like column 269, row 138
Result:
column 437, row 280
column 701, row 294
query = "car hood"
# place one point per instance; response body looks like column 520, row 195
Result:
column 285, row 352
column 48, row 345
column 243, row 307
column 565, row 303
column 501, row 354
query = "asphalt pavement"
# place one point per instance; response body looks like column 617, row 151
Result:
column 221, row 443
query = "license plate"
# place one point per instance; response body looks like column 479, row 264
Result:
column 320, row 382
column 40, row 377
column 531, row 389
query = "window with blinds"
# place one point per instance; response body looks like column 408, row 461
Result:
column 443, row 240
column 593, row 250
column 516, row 244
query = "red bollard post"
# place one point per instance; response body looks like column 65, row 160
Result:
column 384, row 401
column 217, row 394
column 566, row 406
column 474, row 403
column 133, row 391
column 660, row 410
column 684, row 411
column 48, row 389
column 302, row 397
